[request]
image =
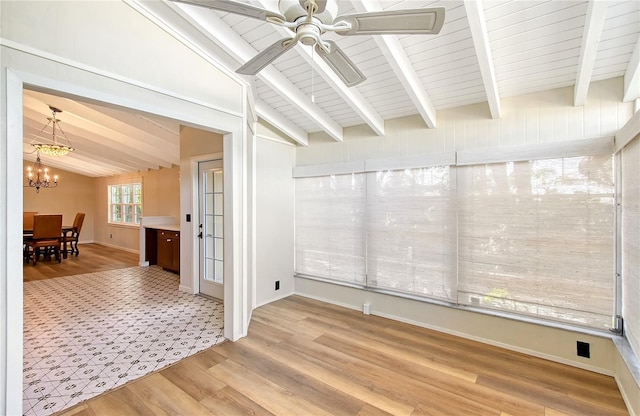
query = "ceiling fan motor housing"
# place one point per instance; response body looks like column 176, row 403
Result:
column 293, row 10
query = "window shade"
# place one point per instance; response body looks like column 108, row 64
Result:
column 330, row 227
column 411, row 231
column 631, row 243
column 536, row 238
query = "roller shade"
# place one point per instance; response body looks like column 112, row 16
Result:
column 411, row 231
column 330, row 227
column 537, row 238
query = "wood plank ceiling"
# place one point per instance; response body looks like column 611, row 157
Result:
column 486, row 51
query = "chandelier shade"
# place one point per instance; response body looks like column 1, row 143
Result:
column 38, row 176
column 55, row 148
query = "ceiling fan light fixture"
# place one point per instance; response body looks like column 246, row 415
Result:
column 54, row 148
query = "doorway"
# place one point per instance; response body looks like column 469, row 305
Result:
column 211, row 228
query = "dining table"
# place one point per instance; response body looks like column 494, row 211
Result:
column 66, row 229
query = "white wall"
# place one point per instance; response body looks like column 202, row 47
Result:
column 529, row 119
column 112, row 53
column 274, row 219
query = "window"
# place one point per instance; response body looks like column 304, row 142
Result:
column 537, row 238
column 125, row 204
column 631, row 243
column 330, row 227
column 532, row 237
column 411, row 231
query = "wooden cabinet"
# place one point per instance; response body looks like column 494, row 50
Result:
column 169, row 250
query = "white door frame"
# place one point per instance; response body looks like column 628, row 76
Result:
column 195, row 203
column 194, row 114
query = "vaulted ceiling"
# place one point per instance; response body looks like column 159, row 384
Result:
column 486, row 51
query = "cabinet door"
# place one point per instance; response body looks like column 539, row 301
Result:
column 165, row 250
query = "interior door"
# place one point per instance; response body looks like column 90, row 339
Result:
column 211, row 228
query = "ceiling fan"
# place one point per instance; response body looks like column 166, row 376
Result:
column 309, row 19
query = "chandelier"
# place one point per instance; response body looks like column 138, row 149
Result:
column 38, row 175
column 55, row 148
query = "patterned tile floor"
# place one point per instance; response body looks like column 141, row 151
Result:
column 86, row 334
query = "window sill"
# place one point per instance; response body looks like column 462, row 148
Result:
column 449, row 304
column 131, row 226
column 628, row 356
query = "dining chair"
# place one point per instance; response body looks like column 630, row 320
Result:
column 47, row 233
column 72, row 240
column 27, row 219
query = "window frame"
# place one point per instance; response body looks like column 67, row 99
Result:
column 111, row 204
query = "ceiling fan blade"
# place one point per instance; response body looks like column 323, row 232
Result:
column 235, row 7
column 264, row 58
column 321, row 4
column 393, row 22
column 341, row 64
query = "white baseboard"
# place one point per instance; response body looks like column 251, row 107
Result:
column 130, row 250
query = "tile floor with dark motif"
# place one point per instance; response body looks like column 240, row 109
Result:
column 86, row 334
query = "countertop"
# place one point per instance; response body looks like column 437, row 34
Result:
column 168, row 227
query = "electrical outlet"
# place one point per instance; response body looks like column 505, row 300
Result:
column 277, row 284
column 583, row 349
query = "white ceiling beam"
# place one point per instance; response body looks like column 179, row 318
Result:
column 351, row 96
column 632, row 75
column 281, row 123
column 594, row 22
column 480, row 37
column 394, row 53
column 233, row 44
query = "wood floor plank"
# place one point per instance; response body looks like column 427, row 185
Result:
column 432, row 385
column 165, row 398
column 343, row 381
column 229, row 402
column 407, row 358
column 121, row 401
column 207, row 358
column 266, row 393
column 322, row 395
column 551, row 398
column 192, row 379
column 453, row 408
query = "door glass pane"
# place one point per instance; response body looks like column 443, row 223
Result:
column 218, row 267
column 217, row 203
column 218, row 226
column 209, row 208
column 218, row 249
column 213, row 224
column 209, row 269
column 217, row 181
column 209, row 182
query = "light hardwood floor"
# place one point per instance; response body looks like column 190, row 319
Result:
column 92, row 258
column 303, row 357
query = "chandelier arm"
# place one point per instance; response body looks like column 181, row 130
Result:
column 63, row 133
column 43, row 128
